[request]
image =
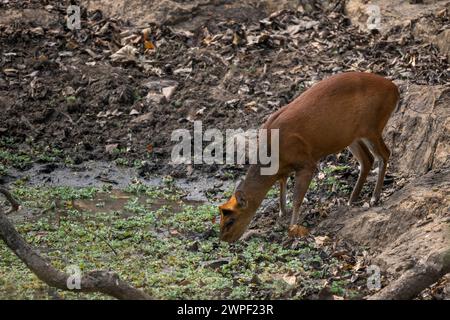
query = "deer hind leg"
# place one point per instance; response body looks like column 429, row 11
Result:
column 381, row 153
column 283, row 189
column 365, row 160
column 303, row 178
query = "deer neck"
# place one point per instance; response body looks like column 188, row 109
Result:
column 255, row 187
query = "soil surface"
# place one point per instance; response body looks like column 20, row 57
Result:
column 62, row 90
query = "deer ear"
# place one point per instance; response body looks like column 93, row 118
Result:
column 240, row 198
column 238, row 184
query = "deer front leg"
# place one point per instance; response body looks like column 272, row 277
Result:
column 283, row 187
column 303, row 178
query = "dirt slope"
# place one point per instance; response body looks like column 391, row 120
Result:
column 409, row 231
column 419, row 131
column 63, row 90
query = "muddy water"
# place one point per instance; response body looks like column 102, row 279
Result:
column 100, row 173
column 116, row 201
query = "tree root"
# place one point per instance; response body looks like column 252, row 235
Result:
column 413, row 281
column 95, row 281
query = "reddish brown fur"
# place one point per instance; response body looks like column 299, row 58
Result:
column 338, row 112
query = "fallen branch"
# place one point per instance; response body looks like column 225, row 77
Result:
column 414, row 281
column 95, row 281
column 14, row 204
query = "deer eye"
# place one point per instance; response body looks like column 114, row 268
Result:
column 229, row 223
column 227, row 212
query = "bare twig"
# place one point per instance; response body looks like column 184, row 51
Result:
column 95, row 281
column 102, row 239
column 14, row 204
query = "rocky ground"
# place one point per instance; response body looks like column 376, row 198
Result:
column 115, row 90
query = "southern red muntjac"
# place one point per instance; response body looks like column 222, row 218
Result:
column 345, row 110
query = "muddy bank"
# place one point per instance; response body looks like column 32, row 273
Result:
column 69, row 93
column 410, row 231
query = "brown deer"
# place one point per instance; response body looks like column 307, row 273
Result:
column 345, row 110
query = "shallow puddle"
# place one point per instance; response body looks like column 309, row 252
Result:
column 118, row 200
column 100, row 173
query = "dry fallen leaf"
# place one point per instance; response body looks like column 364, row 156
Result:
column 252, row 106
column 149, row 45
column 125, row 54
column 184, row 282
column 182, row 70
column 168, row 92
column 322, row 240
column 296, row 231
column 10, row 71
column 359, row 264
column 189, row 169
column 146, row 33
column 290, row 280
column 236, row 39
column 71, row 45
column 207, row 40
column 348, row 266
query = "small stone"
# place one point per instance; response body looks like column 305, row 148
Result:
column 109, row 148
column 155, row 98
column 168, row 92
